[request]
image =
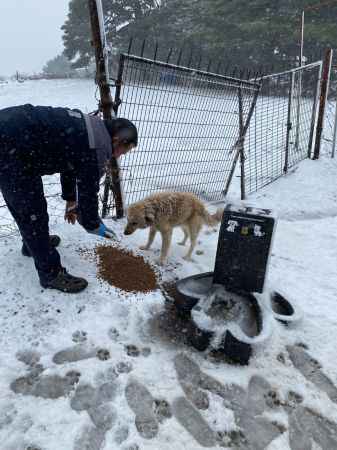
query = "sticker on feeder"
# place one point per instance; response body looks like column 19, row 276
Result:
column 245, row 231
column 258, row 231
column 232, row 224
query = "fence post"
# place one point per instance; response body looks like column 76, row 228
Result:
column 314, row 112
column 102, row 79
column 334, row 134
column 289, row 123
column 241, row 147
column 322, row 100
column 299, row 96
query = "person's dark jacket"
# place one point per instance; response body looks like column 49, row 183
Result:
column 41, row 140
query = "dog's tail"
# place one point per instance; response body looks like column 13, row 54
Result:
column 213, row 219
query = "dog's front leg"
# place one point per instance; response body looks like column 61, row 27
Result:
column 152, row 234
column 166, row 242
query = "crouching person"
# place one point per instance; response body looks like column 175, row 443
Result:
column 37, row 141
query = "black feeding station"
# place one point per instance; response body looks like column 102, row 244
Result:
column 225, row 308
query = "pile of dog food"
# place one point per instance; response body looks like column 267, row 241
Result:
column 124, row 270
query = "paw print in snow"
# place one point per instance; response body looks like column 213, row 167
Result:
column 103, row 354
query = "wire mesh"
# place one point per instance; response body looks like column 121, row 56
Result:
column 188, row 123
column 55, row 203
column 189, row 127
column 56, row 206
column 329, row 127
column 283, row 121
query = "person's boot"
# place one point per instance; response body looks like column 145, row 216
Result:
column 54, row 241
column 65, row 282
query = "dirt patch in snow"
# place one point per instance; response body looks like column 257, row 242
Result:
column 124, row 270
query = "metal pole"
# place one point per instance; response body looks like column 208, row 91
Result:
column 103, row 38
column 106, row 103
column 242, row 153
column 289, row 123
column 302, row 40
column 314, row 111
column 299, row 97
column 322, row 101
column 334, row 134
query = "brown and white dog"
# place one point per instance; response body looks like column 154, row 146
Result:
column 166, row 210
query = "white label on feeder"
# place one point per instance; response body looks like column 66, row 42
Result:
column 258, row 232
column 232, row 224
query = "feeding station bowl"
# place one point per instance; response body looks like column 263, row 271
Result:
column 284, row 311
column 221, row 306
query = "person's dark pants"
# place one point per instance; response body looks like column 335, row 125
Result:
column 25, row 199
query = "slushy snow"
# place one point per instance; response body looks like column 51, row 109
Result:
column 69, row 379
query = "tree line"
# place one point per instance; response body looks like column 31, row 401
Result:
column 233, row 32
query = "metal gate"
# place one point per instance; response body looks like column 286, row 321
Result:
column 281, row 131
column 195, row 126
column 191, row 126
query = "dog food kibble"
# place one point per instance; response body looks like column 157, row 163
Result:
column 124, row 270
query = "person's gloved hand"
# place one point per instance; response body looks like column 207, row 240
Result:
column 103, row 231
column 70, row 214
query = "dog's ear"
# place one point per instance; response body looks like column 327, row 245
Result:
column 149, row 218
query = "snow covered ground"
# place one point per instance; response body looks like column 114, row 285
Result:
column 69, row 379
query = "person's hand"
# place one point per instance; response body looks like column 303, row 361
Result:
column 103, row 231
column 70, row 214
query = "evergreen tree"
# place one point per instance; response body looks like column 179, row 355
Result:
column 118, row 14
column 60, row 66
column 77, row 34
column 266, row 31
column 237, row 32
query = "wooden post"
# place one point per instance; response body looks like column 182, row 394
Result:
column 112, row 181
column 322, row 101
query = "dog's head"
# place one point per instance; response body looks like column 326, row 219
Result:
column 138, row 218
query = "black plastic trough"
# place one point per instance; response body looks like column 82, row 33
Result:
column 227, row 322
column 283, row 310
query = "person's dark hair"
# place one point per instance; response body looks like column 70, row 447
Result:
column 124, row 129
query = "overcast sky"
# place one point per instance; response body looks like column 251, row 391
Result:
column 30, row 33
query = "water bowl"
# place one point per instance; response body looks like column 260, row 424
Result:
column 283, row 310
